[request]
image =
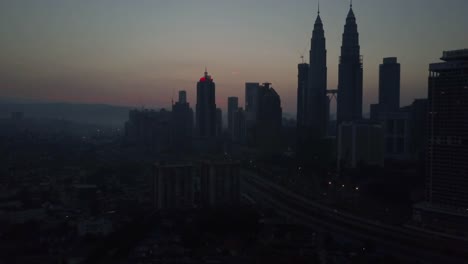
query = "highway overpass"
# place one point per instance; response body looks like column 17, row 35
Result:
column 425, row 247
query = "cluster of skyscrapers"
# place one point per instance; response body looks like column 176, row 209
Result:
column 434, row 129
column 258, row 127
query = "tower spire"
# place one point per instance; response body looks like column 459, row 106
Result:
column 318, row 20
column 350, row 13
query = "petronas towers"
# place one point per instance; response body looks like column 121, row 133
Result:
column 313, row 103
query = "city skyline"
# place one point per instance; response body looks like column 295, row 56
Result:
column 216, row 131
column 128, row 54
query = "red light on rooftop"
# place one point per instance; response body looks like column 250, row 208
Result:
column 204, row 79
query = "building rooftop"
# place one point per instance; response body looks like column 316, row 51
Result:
column 453, row 55
column 206, row 77
column 390, row 60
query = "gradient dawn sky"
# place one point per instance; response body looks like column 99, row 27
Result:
column 140, row 52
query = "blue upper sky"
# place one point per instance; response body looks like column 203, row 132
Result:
column 141, row 52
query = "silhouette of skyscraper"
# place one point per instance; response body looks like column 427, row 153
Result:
column 389, row 89
column 219, row 122
column 317, row 100
column 389, row 85
column 269, row 120
column 251, row 99
column 312, row 100
column 239, row 128
column 396, row 121
column 447, row 152
column 233, row 105
column 448, row 130
column 182, row 124
column 350, row 73
column 251, row 109
column 206, row 107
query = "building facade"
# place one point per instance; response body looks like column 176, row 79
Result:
column 360, row 143
column 233, row 106
column 418, row 123
column 173, row 186
column 446, row 206
column 397, row 130
column 219, row 122
column 302, row 87
column 239, row 127
column 251, row 109
column 447, row 164
column 219, row 183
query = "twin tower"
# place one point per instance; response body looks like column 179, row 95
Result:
column 312, row 99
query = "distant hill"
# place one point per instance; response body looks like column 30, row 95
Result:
column 98, row 114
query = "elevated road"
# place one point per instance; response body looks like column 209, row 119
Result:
column 404, row 242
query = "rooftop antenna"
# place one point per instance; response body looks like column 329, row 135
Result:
column 351, row 4
column 302, row 58
column 318, row 4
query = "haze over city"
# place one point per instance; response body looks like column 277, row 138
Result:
column 123, row 53
column 246, row 131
